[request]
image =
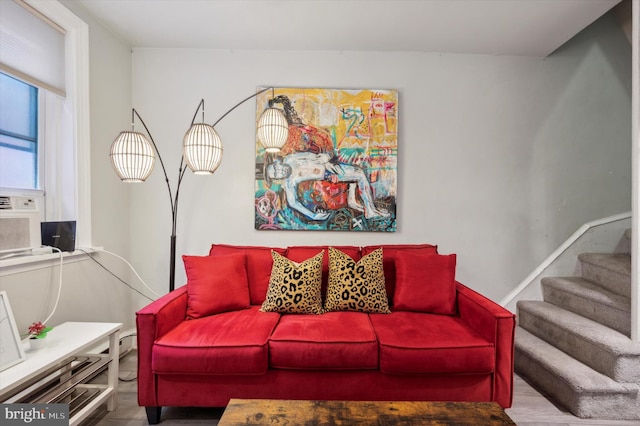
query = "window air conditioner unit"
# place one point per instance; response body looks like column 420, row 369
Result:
column 19, row 223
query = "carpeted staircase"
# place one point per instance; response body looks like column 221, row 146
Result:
column 574, row 346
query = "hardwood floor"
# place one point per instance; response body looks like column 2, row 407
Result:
column 529, row 408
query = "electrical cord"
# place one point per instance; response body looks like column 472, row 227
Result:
column 132, row 268
column 133, row 379
column 125, row 283
column 29, row 251
column 127, row 336
column 55, row 307
column 117, row 277
column 15, row 254
column 106, row 351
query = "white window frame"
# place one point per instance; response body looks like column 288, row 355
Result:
column 77, row 93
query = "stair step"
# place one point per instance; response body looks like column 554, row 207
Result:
column 601, row 348
column 611, row 271
column 582, row 390
column 590, row 300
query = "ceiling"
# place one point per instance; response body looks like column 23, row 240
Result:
column 494, row 27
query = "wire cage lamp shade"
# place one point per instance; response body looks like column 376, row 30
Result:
column 132, row 156
column 272, row 129
column 202, row 149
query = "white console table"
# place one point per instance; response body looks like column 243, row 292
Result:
column 59, row 372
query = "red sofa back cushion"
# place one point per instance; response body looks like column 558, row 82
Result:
column 389, row 252
column 215, row 284
column 259, row 264
column 425, row 283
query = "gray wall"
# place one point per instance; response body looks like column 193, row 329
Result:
column 500, row 158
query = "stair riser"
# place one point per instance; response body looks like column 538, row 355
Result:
column 612, row 406
column 619, row 369
column 611, row 317
column 612, row 281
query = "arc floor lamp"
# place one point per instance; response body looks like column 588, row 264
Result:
column 133, row 156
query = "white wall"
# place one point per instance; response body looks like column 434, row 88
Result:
column 500, row 158
column 89, row 293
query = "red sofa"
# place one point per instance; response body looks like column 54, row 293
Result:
column 462, row 355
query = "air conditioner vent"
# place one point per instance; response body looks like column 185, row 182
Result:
column 5, row 203
column 18, row 203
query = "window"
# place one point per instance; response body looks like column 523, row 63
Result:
column 37, row 148
column 18, row 134
column 58, row 157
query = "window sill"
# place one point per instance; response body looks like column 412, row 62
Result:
column 30, row 262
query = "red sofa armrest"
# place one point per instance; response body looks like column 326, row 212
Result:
column 497, row 325
column 152, row 322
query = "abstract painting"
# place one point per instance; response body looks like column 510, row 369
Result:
column 338, row 168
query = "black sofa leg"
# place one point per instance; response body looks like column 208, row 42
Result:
column 153, row 414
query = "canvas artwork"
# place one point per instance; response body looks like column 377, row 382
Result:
column 338, row 168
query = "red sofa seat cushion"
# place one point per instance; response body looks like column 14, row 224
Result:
column 332, row 341
column 226, row 343
column 419, row 343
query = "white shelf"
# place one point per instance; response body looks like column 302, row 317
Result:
column 63, row 342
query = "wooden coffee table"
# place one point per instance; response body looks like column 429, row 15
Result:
column 287, row 412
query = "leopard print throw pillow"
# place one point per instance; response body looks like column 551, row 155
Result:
column 356, row 286
column 294, row 288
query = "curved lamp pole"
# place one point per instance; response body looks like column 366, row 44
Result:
column 133, row 156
